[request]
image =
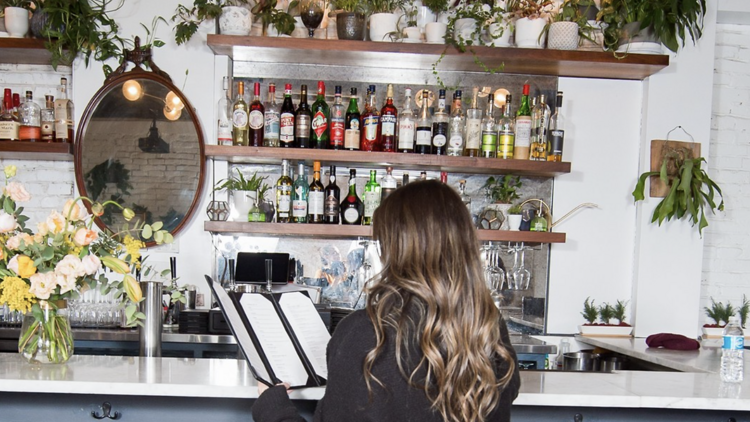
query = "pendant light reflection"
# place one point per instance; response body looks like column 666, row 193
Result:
column 133, row 91
column 172, row 114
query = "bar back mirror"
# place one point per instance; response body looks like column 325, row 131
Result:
column 140, row 144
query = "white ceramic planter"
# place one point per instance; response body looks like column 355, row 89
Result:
column 434, row 32
column 563, row 36
column 530, row 33
column 16, row 21
column 605, row 330
column 235, row 20
column 242, row 201
column 514, row 221
column 412, row 34
column 465, row 29
column 498, row 35
column 381, row 24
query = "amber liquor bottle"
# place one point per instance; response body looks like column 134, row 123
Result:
column 302, row 120
column 63, row 114
column 256, row 119
column 388, row 120
column 370, row 122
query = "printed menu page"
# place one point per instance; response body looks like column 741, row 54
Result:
column 309, row 328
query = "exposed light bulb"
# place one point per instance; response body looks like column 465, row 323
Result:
column 172, row 113
column 174, row 102
column 500, row 95
column 132, row 90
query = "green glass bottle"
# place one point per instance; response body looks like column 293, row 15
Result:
column 255, row 215
column 321, row 118
column 372, row 198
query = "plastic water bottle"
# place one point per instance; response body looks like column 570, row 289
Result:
column 732, row 352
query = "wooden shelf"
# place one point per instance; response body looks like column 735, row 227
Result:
column 23, row 51
column 36, row 151
column 328, row 231
column 264, row 155
column 586, row 64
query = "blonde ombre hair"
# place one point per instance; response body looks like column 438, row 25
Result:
column 432, row 289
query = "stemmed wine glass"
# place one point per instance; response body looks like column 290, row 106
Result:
column 311, row 12
column 521, row 276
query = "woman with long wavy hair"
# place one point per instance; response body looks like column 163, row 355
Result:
column 430, row 345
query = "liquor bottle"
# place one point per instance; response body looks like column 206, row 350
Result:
column 30, row 119
column 369, row 140
column 388, row 120
column 523, row 127
column 63, row 114
column 284, row 194
column 466, row 199
column 271, row 116
column 239, row 117
column 224, row 123
column 16, row 103
column 440, row 127
column 302, row 120
column 9, row 125
column 48, row 120
column 456, row 127
column 444, row 177
column 351, row 123
column 473, row 135
column 256, row 119
column 540, row 116
column 338, row 120
column 333, row 196
column 300, row 192
column 506, row 132
column 372, row 197
column 316, row 197
column 422, row 175
column 405, row 179
column 321, row 115
column 424, row 127
column 556, row 132
column 406, row 125
column 255, row 214
column 489, row 130
column 351, row 205
column 388, row 184
column 286, row 119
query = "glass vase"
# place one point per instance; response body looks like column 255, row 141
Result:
column 46, row 336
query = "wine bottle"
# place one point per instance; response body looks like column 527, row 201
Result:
column 224, row 122
column 284, row 194
column 240, row 117
column 321, row 114
column 388, row 120
column 256, row 119
column 406, row 125
column 332, row 198
column 473, row 134
column 316, row 197
column 351, row 205
column 63, row 114
column 272, row 116
column 338, row 120
column 351, row 123
column 556, row 132
column 424, row 127
column 489, row 130
column 456, row 127
column 523, row 127
column 370, row 119
column 440, row 127
column 506, row 132
column 302, row 120
column 300, row 192
column 372, row 198
column 286, row 119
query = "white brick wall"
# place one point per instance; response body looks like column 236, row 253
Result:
column 726, row 258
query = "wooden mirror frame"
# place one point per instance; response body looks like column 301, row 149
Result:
column 138, row 56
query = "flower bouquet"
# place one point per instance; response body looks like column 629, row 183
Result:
column 40, row 271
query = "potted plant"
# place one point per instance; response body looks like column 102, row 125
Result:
column 604, row 313
column 350, row 19
column 660, row 21
column 691, row 191
column 570, row 24
column 16, row 17
column 244, row 192
column 502, row 192
column 720, row 315
column 515, row 217
column 234, row 18
column 408, row 24
column 466, row 24
column 383, row 18
column 275, row 21
column 531, row 18
column 435, row 30
column 499, row 25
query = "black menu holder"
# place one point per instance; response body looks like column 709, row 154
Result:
column 278, row 335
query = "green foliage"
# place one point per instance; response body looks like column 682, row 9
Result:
column 619, row 311
column 691, row 191
column 576, row 11
column 240, row 183
column 744, row 310
column 189, row 18
column 436, row 6
column 109, row 171
column 590, row 312
column 606, row 312
column 26, row 4
column 385, row 6
column 268, row 14
column 503, row 190
column 516, row 209
column 720, row 313
column 529, row 8
column 352, row 6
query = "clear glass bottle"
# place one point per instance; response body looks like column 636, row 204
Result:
column 256, row 119
column 456, row 127
column 351, row 121
column 388, row 121
column 316, row 197
column 224, row 122
column 63, row 114
column 30, row 120
column 556, row 132
column 332, row 198
column 240, row 117
column 351, row 206
column 286, row 119
column 48, row 120
column 300, row 193
column 473, row 134
column 9, row 124
column 406, row 125
column 284, row 194
column 523, row 127
column 440, row 127
column 302, row 120
column 338, row 120
column 388, row 184
column 272, row 115
column 424, row 126
column 489, row 130
column 321, row 116
column 506, row 132
column 372, row 197
column 540, row 116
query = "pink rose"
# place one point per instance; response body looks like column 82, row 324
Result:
column 7, row 222
column 17, row 192
column 91, row 264
column 70, row 266
column 43, row 284
column 55, row 222
column 66, row 283
column 15, row 241
column 72, row 211
column 84, row 237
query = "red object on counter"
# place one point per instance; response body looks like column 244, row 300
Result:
column 672, row 341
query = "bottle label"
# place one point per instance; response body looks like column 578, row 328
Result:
column 388, row 125
column 351, row 215
column 239, row 119
column 371, row 128
column 9, row 130
column 319, row 123
column 337, row 132
column 223, row 134
column 523, row 131
column 48, row 129
column 489, row 141
column 351, row 137
column 406, row 134
column 284, row 205
column 272, row 126
column 256, row 119
column 315, row 202
column 424, row 136
column 473, row 133
column 302, row 127
column 556, row 142
column 505, row 146
column 299, row 208
column 331, row 206
column 61, row 118
column 286, row 127
column 440, row 132
column 372, row 201
column 733, row 343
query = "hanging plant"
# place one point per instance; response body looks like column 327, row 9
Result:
column 691, row 191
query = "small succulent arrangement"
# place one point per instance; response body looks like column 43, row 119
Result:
column 516, row 209
column 720, row 313
column 503, row 190
column 604, row 313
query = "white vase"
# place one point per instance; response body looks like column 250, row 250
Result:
column 498, row 34
column 563, row 36
column 434, row 32
column 530, row 33
column 235, row 20
column 16, row 21
column 465, row 29
column 382, row 24
column 514, row 221
column 242, row 201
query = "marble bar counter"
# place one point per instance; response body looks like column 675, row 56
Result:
column 189, row 389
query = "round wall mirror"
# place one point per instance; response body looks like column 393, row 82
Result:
column 140, row 144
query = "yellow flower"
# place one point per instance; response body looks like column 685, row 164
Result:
column 15, row 292
column 22, row 265
column 115, row 264
column 132, row 288
column 133, row 248
column 128, row 214
column 10, row 171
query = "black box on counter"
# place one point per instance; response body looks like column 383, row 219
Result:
column 194, row 321
column 216, row 323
